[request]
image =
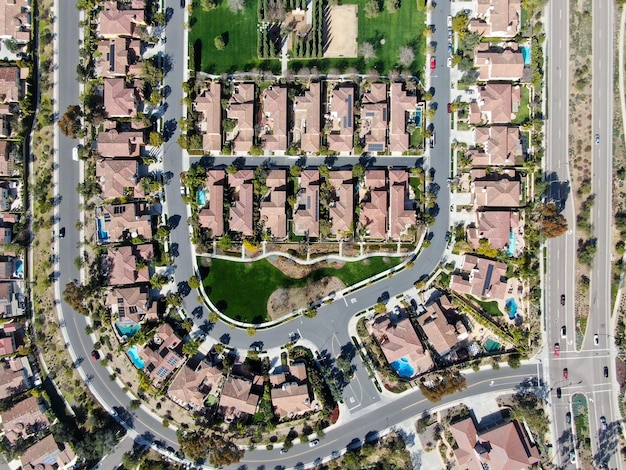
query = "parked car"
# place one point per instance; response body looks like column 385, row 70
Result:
column 449, row 61
column 572, row 456
column 558, row 392
column 95, row 355
column 283, row 451
column 433, row 63
column 449, row 107
column 597, row 138
column 314, row 442
column 563, row 331
column 450, row 48
column 568, row 417
column 562, row 299
column 565, row 373
column 62, row 232
column 449, row 21
column 182, row 3
column 603, row 423
column 75, row 153
column 606, row 372
column 557, row 350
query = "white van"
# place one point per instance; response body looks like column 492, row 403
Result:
column 75, row 153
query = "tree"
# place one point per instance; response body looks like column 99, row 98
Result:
column 372, row 8
column 549, row 222
column 325, row 228
column 208, row 5
column 514, row 361
column 156, row 139
column 367, row 51
column 12, row 45
column 229, row 124
column 460, row 22
column 392, row 5
column 70, row 123
column 193, row 445
column 74, row 295
column 191, row 347
column 380, row 307
column 225, row 242
column 158, row 280
column 295, row 171
column 251, row 331
column 358, row 171
column 232, row 169
column 219, row 42
column 193, row 282
column 236, row 6
column 163, row 232
column 174, row 299
column 223, row 451
column 406, row 56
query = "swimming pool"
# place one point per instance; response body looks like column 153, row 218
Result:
column 133, row 353
column 201, row 197
column 526, row 54
column 403, row 368
column 511, row 250
column 127, row 330
column 19, row 268
column 418, row 117
column 492, row 346
column 511, row 307
column 103, row 235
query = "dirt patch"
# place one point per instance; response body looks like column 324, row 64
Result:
column 298, row 271
column 285, row 301
column 343, row 31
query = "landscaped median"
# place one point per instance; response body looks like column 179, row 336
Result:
column 253, row 292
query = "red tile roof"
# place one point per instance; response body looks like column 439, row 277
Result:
column 342, row 208
column 209, row 104
column 306, row 212
column 402, row 213
column 341, row 118
column 211, row 216
column 273, row 206
column 486, row 278
column 242, row 207
column 374, row 118
column 374, row 213
column 307, row 111
column 274, row 127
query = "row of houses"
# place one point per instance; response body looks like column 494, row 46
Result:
column 326, row 114
column 386, row 201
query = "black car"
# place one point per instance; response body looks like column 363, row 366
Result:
column 183, row 3
column 606, row 372
column 558, row 392
column 568, row 417
column 95, row 355
column 62, row 232
column 562, row 299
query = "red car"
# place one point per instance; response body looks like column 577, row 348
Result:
column 557, row 350
column 449, row 107
column 433, row 63
column 95, row 355
column 565, row 373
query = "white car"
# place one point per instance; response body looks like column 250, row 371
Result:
column 449, row 61
column 75, row 153
column 449, row 21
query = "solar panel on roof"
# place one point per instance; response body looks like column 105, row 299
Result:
column 349, row 101
column 308, row 202
column 369, row 114
column 345, row 122
column 384, row 114
column 375, row 147
column 487, row 280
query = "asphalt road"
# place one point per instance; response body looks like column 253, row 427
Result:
column 585, row 367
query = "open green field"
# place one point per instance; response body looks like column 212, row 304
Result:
column 524, row 111
column 241, row 290
column 240, row 35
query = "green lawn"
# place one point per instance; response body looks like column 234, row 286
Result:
column 524, row 111
column 240, row 34
column 490, row 308
column 241, row 290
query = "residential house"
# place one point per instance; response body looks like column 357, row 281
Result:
column 129, row 264
column 497, row 18
column 15, row 20
column 290, row 392
column 242, row 202
column 496, row 103
column 14, row 377
column 274, row 127
column 403, row 109
column 132, row 305
column 499, row 64
column 400, row 344
column 161, row 358
column 113, row 22
column 374, row 115
column 481, row 277
column 209, row 104
column 240, row 397
column 120, row 144
column 241, row 110
column 118, row 179
column 505, row 447
column 7, row 266
column 24, row 419
column 125, row 221
column 496, row 227
column 121, row 100
column 342, row 204
column 5, row 196
column 192, row 385
column 7, row 120
column 12, row 301
column 307, row 112
column 10, row 84
column 373, row 216
column 341, row 119
column 496, row 190
column 499, row 146
column 443, row 326
column 402, row 214
column 45, row 454
column 211, row 215
column 7, row 221
column 7, row 159
column 273, row 205
column 306, row 220
column 119, row 57
column 7, row 344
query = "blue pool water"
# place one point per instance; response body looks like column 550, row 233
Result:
column 511, row 250
column 201, row 197
column 19, row 267
column 133, row 353
column 512, row 306
column 491, row 345
column 403, row 368
column 418, row 117
column 526, row 54
column 127, row 330
column 103, row 235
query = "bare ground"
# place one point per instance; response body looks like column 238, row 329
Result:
column 284, row 301
column 298, row 271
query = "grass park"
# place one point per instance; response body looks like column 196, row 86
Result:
column 241, row 290
column 386, row 32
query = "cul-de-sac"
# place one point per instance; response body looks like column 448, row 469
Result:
column 312, row 234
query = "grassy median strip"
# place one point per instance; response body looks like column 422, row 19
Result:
column 241, row 290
